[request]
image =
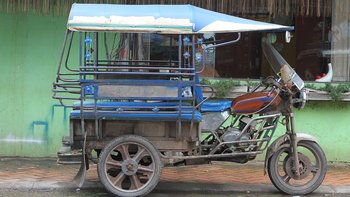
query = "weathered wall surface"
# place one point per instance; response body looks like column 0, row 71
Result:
column 32, row 123
column 329, row 122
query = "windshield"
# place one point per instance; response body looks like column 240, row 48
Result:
column 281, row 66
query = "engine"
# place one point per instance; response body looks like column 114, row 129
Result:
column 236, row 139
column 235, row 134
column 232, row 134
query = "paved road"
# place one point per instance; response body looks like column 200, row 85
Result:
column 44, row 177
column 102, row 193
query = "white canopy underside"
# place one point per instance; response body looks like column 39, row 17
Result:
column 132, row 23
column 160, row 18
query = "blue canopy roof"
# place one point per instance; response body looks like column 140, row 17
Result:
column 160, row 18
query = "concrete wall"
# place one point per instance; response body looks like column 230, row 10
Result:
column 32, row 123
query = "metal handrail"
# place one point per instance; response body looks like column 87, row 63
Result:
column 135, row 73
column 207, row 98
column 136, row 67
column 70, row 83
column 217, row 45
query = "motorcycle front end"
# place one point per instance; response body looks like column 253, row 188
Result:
column 295, row 162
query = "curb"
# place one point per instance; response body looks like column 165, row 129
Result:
column 169, row 187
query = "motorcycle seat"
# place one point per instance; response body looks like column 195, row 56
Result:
column 215, row 105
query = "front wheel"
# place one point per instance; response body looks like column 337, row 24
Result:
column 313, row 168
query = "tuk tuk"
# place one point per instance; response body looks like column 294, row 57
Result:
column 134, row 112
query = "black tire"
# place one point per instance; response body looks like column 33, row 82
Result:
column 129, row 166
column 317, row 171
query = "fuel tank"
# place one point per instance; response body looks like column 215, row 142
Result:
column 256, row 102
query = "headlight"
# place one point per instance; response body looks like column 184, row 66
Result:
column 299, row 99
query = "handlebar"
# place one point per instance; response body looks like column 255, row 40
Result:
column 268, row 81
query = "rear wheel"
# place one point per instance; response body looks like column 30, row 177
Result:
column 129, row 166
column 313, row 167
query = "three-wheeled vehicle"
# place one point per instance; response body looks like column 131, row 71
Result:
column 135, row 112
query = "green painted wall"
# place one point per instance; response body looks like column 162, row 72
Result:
column 329, row 122
column 32, row 124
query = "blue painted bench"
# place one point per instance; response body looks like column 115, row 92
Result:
column 164, row 105
column 156, row 113
column 207, row 106
column 184, row 116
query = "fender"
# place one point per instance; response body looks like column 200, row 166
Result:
column 280, row 142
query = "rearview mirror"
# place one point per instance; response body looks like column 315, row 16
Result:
column 288, row 37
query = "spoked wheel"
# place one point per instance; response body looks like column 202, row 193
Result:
column 129, row 166
column 313, row 167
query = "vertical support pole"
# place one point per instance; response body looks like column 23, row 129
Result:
column 83, row 55
column 95, row 78
column 80, row 176
column 194, row 92
column 80, row 49
column 170, row 50
column 180, row 51
column 81, row 77
column 178, row 131
column 193, row 81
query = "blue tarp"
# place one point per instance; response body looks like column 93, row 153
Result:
column 160, row 18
